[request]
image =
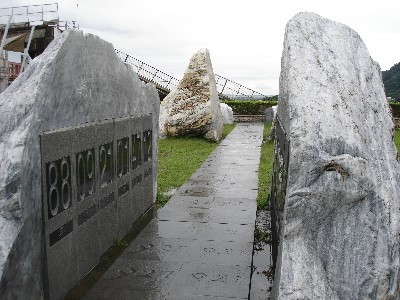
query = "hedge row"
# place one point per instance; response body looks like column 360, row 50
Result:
column 249, row 107
column 395, row 106
column 258, row 107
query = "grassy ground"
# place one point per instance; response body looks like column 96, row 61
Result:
column 179, row 158
column 265, row 169
column 397, row 139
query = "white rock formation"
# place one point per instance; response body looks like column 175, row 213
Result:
column 193, row 107
column 340, row 236
column 270, row 113
column 77, row 79
column 227, row 114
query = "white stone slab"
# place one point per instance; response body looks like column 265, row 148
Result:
column 340, row 237
column 77, row 79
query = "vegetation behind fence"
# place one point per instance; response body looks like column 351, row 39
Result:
column 250, row 107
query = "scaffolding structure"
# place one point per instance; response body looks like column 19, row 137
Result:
column 19, row 25
column 32, row 14
column 28, row 30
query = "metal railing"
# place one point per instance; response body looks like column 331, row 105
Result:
column 165, row 83
column 148, row 73
column 64, row 25
column 229, row 88
column 30, row 14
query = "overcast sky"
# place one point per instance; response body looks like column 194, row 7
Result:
column 244, row 37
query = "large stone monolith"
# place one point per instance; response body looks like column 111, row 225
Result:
column 340, row 227
column 227, row 114
column 193, row 107
column 77, row 79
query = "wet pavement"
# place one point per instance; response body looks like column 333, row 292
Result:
column 262, row 276
column 200, row 244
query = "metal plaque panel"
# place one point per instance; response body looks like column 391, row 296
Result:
column 97, row 179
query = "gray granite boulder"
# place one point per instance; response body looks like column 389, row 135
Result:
column 270, row 113
column 77, row 79
column 227, row 114
column 340, row 234
column 193, row 107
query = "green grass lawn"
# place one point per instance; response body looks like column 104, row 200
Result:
column 265, row 169
column 179, row 158
column 397, row 139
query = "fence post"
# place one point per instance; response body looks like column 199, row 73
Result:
column 226, row 80
column 5, row 35
column 27, row 49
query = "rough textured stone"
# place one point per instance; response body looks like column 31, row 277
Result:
column 227, row 114
column 340, row 223
column 270, row 113
column 193, row 107
column 77, row 79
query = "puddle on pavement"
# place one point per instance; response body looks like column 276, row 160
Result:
column 262, row 271
column 198, row 192
column 108, row 258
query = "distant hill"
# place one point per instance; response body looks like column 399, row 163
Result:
column 391, row 81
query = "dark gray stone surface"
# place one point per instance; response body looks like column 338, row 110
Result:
column 198, row 246
column 101, row 207
column 77, row 79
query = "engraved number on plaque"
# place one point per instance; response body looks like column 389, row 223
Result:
column 106, row 164
column 58, row 174
column 85, row 173
column 136, row 150
column 122, row 156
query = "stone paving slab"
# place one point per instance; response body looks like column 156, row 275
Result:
column 187, row 250
column 200, row 244
column 199, row 279
column 206, row 215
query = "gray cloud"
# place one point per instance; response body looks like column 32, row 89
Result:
column 244, row 38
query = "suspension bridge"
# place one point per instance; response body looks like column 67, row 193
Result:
column 165, row 83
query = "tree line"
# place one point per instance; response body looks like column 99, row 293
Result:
column 391, row 82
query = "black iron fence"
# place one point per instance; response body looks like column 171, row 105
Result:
column 278, row 185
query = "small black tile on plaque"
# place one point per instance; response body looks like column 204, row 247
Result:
column 61, row 232
column 123, row 189
column 148, row 172
column 87, row 214
column 136, row 180
column 107, row 200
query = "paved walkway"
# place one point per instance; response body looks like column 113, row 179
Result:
column 200, row 244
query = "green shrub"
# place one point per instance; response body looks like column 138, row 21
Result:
column 395, row 106
column 249, row 107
